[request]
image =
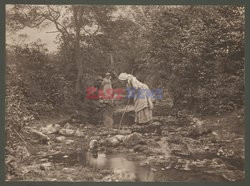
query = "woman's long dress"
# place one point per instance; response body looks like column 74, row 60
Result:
column 142, row 100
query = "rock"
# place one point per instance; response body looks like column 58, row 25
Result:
column 105, row 172
column 67, row 126
column 67, row 132
column 44, row 160
column 200, row 164
column 148, row 152
column 124, row 132
column 217, row 161
column 93, row 144
column 120, row 137
column 133, row 139
column 79, row 133
column 113, row 141
column 157, row 138
column 154, row 127
column 152, row 143
column 68, row 142
column 102, row 141
column 123, row 175
column 180, row 149
column 104, row 133
column 168, row 162
column 50, row 129
column 68, row 170
column 183, row 164
column 45, row 166
column 22, row 152
column 234, row 175
column 140, row 148
column 197, row 130
column 9, row 159
column 53, row 179
column 144, row 163
column 156, row 123
column 41, row 137
column 60, row 138
column 153, row 169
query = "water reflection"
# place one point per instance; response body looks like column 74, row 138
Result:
column 126, row 170
column 121, row 166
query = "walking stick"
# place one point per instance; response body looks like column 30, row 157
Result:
column 120, row 124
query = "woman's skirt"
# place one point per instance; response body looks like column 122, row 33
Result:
column 143, row 116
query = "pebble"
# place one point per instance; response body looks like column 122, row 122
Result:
column 60, row 138
column 68, row 142
column 43, row 160
column 153, row 169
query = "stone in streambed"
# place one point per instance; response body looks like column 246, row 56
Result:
column 79, row 133
column 119, row 137
column 67, row 132
column 60, row 138
column 140, row 148
column 113, row 141
column 40, row 136
column 133, row 139
column 50, row 129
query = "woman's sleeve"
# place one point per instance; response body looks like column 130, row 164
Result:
column 103, row 83
column 129, row 84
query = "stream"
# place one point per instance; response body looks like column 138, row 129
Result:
column 119, row 164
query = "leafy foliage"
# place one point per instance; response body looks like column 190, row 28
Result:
column 196, row 53
column 199, row 52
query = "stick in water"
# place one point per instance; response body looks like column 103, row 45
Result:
column 120, row 124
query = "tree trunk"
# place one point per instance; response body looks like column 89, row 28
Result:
column 77, row 13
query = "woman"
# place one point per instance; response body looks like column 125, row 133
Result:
column 142, row 101
column 106, row 83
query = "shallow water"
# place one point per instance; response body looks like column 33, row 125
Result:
column 130, row 168
column 120, row 164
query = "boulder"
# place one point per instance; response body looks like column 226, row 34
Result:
column 67, row 132
column 119, row 137
column 45, row 166
column 124, row 132
column 154, row 127
column 67, row 126
column 93, row 144
column 60, row 138
column 79, row 133
column 157, row 138
column 113, row 141
column 40, row 136
column 133, row 139
column 105, row 172
column 68, row 170
column 234, row 175
column 50, row 129
column 166, row 162
column 140, row 148
column 68, row 142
